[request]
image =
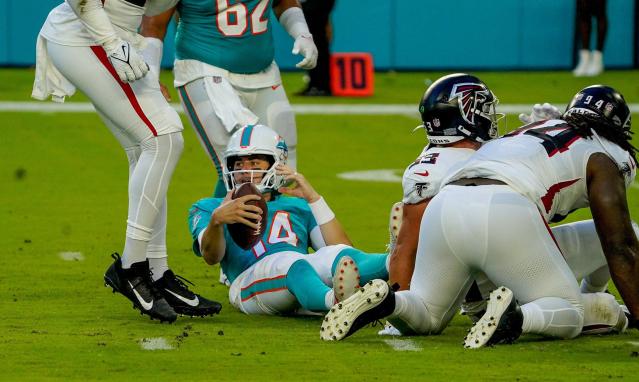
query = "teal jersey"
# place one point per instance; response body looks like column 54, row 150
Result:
column 234, row 35
column 288, row 227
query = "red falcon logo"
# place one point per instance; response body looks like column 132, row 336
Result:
column 469, row 94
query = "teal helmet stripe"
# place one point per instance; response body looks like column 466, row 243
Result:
column 245, row 141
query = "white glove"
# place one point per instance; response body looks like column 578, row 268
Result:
column 540, row 112
column 304, row 45
column 126, row 61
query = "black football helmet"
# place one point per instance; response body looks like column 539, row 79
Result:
column 459, row 106
column 604, row 104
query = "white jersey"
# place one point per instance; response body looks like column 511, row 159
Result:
column 546, row 162
column 423, row 178
column 65, row 28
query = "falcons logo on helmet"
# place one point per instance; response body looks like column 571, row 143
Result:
column 470, row 95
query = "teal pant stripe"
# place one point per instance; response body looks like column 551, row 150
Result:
column 199, row 129
column 263, row 286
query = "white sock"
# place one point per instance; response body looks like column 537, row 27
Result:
column 158, row 266
column 329, row 299
column 411, row 315
column 148, row 184
column 133, row 246
column 156, row 251
column 552, row 316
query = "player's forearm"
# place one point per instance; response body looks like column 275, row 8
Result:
column 156, row 26
column 624, row 271
column 331, row 229
column 97, row 23
column 402, row 262
column 283, row 5
column 213, row 244
column 293, row 21
column 333, row 233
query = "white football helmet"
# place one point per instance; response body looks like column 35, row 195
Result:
column 252, row 140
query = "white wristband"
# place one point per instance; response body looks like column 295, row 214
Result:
column 321, row 211
column 294, row 23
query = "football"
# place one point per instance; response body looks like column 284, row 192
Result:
column 244, row 236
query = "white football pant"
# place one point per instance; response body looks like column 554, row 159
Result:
column 147, row 128
column 494, row 230
column 261, row 288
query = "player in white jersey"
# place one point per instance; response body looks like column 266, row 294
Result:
column 225, row 71
column 94, row 47
column 492, row 213
column 423, row 179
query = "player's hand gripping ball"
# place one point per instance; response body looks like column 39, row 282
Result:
column 244, row 236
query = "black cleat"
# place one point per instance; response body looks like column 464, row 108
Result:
column 136, row 285
column 375, row 300
column 183, row 301
column 501, row 324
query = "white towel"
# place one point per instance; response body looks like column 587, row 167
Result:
column 227, row 104
column 48, row 80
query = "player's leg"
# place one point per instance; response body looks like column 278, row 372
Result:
column 440, row 281
column 274, row 110
column 534, row 270
column 138, row 112
column 581, row 248
column 280, row 284
column 215, row 111
column 173, row 288
column 583, row 18
column 262, row 289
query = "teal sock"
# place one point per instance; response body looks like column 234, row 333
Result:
column 307, row 286
column 371, row 265
column 220, row 189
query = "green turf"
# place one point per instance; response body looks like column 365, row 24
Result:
column 63, row 188
column 393, row 87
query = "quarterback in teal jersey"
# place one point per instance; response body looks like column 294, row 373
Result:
column 278, row 275
column 224, row 69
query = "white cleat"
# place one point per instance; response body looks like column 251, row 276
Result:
column 346, row 279
column 394, row 224
column 374, row 301
column 500, row 324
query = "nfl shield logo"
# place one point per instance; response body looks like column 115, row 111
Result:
column 217, row 79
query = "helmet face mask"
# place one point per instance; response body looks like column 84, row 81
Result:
column 255, row 140
column 459, row 106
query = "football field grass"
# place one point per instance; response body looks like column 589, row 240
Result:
column 63, row 202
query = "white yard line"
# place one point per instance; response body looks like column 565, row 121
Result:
column 403, row 345
column 155, row 343
column 71, row 256
column 322, row 109
column 384, row 175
